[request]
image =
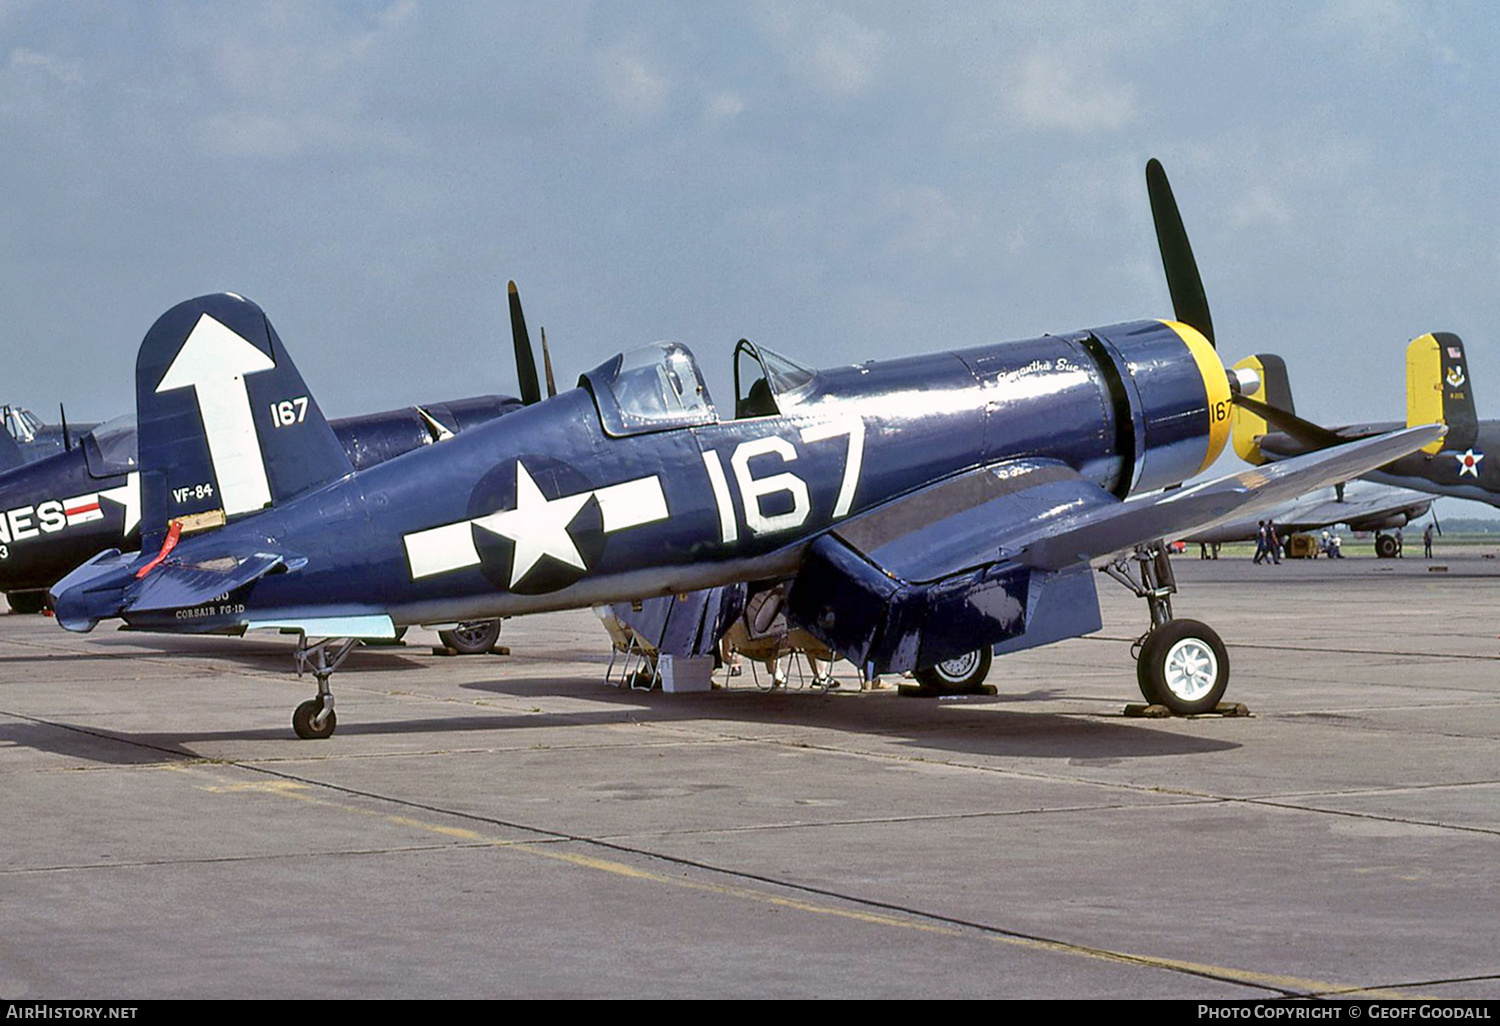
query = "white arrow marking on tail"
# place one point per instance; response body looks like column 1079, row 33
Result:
column 214, row 360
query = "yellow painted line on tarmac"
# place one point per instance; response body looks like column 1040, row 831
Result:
column 302, row 792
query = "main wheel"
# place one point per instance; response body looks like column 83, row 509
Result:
column 1385, row 546
column 306, row 713
column 472, row 638
column 1184, row 666
column 962, row 673
column 28, row 602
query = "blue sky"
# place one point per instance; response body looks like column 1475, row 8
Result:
column 836, row 181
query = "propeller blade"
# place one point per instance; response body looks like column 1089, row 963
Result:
column 525, row 361
column 1188, row 299
column 1304, row 431
column 547, row 365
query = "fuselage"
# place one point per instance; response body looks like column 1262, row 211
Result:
column 593, row 496
column 59, row 511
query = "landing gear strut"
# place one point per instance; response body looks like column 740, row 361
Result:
column 1181, row 664
column 314, row 718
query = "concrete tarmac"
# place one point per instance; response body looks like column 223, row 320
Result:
column 509, row 826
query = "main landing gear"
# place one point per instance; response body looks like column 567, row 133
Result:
column 472, row 638
column 314, row 718
column 1180, row 664
column 962, row 675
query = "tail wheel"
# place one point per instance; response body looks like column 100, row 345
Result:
column 472, row 638
column 1184, row 666
column 963, row 673
column 304, row 721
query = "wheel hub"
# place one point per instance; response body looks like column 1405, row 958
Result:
column 960, row 667
column 1191, row 668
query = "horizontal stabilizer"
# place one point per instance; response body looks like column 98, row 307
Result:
column 1106, row 531
column 179, row 585
column 112, row 584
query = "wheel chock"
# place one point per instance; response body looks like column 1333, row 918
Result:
column 1159, row 712
column 444, row 650
column 922, row 691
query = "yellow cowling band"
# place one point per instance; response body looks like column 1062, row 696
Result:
column 1215, row 389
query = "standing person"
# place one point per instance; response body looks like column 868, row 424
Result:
column 1400, row 545
column 1273, row 543
column 1260, row 541
column 1427, row 542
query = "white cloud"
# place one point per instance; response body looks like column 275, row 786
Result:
column 724, row 106
column 633, row 84
column 828, row 50
column 33, row 83
column 918, row 220
column 1051, row 93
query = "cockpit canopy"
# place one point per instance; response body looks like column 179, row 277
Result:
column 111, row 447
column 766, row 383
column 21, row 424
column 653, row 388
column 659, row 387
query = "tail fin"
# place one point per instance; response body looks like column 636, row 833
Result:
column 1438, row 389
column 227, row 426
column 1275, row 390
column 10, row 452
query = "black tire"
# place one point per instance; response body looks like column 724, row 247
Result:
column 473, row 638
column 955, row 676
column 26, row 602
column 1184, row 666
column 1385, row 546
column 306, row 713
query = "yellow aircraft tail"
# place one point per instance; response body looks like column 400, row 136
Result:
column 1275, row 390
column 1438, row 389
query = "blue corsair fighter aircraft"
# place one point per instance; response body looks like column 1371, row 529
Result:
column 917, row 509
column 57, row 511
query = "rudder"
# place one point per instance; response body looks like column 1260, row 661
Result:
column 227, row 425
column 1438, row 390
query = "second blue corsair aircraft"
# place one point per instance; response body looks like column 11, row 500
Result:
column 915, row 509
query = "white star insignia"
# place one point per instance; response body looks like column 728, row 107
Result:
column 129, row 496
column 1468, row 462
column 538, row 526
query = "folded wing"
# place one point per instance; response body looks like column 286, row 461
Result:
column 1002, row 553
